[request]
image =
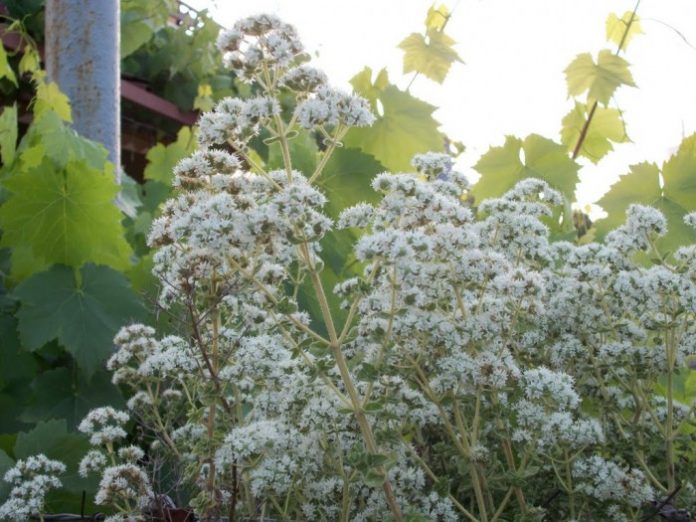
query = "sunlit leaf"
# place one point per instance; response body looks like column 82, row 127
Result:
column 8, row 134
column 437, row 17
column 616, row 28
column 5, row 68
column 502, row 167
column 600, row 79
column 163, row 158
column 404, row 127
column 606, row 128
column 65, row 216
column 430, row 55
column 50, row 98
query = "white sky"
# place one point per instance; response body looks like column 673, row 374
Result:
column 515, row 53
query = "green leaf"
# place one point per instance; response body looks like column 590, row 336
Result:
column 49, row 98
column 8, row 134
column 136, row 30
column 67, row 394
column 430, row 55
column 437, row 17
column 66, row 217
column 346, row 180
column 61, row 144
column 30, row 61
column 501, row 167
column 679, row 173
column 641, row 185
column 83, row 312
column 5, row 68
column 404, row 127
column 362, row 83
column 616, row 27
column 601, row 79
column 163, row 158
column 606, row 128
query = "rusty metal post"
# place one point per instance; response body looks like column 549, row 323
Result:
column 82, row 57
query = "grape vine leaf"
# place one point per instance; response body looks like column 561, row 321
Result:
column 5, row 68
column 679, row 173
column 403, row 128
column 49, row 98
column 600, row 79
column 65, row 216
column 616, row 27
column 62, row 393
column 437, row 17
column 8, row 134
column 163, row 158
column 502, row 167
column 60, row 143
column 675, row 198
column 606, row 127
column 83, row 310
column 431, row 55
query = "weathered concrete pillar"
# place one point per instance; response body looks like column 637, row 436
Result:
column 83, row 58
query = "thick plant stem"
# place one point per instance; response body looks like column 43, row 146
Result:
column 669, row 423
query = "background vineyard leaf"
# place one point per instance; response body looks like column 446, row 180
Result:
column 672, row 190
column 600, row 79
column 606, row 128
column 403, row 127
column 616, row 27
column 431, row 55
column 8, row 134
column 163, row 158
column 437, row 17
column 303, row 151
column 502, row 167
column 5, row 68
column 49, row 98
column 83, row 312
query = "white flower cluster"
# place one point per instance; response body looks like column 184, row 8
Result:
column 31, row 480
column 331, row 107
column 477, row 357
column 124, row 485
column 259, row 41
column 104, row 425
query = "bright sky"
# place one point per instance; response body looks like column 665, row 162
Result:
column 515, row 53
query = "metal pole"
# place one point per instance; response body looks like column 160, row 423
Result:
column 82, row 57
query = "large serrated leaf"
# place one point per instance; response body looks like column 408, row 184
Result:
column 600, row 79
column 65, row 216
column 502, row 167
column 84, row 315
column 675, row 198
column 431, row 55
column 606, row 128
column 404, row 127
